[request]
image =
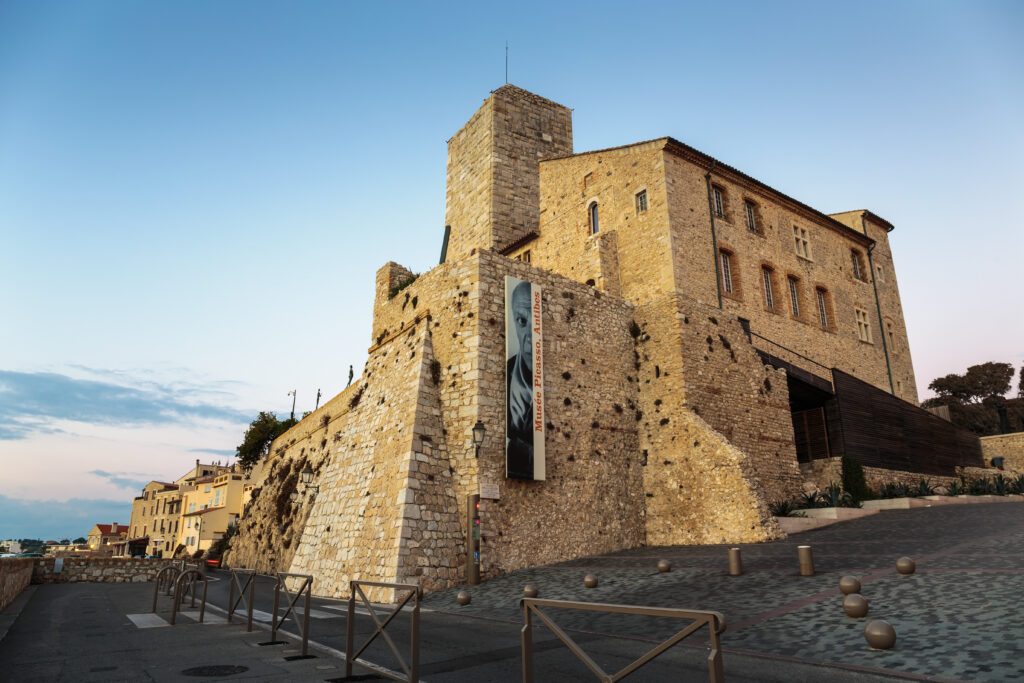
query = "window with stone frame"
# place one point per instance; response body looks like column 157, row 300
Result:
column 793, row 283
column 863, row 325
column 524, row 256
column 641, row 202
column 750, row 211
column 769, row 288
column 857, row 263
column 592, row 212
column 801, row 242
column 826, row 316
column 728, row 272
column 890, row 332
column 718, row 201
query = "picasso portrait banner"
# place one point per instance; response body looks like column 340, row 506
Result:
column 524, row 380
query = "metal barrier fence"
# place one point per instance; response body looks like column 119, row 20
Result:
column 165, row 579
column 411, row 670
column 306, row 587
column 185, row 585
column 248, row 585
column 533, row 606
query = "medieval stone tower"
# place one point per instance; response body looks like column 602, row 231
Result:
column 493, row 188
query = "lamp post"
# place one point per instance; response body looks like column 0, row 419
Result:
column 306, row 477
column 479, row 431
column 292, row 394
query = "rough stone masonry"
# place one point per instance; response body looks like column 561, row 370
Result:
column 663, row 426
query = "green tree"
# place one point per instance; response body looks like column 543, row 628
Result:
column 80, row 540
column 261, row 433
column 1020, row 383
column 980, row 382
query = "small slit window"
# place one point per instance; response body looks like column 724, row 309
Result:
column 641, row 201
column 594, row 219
column 823, row 315
column 857, row 262
column 725, row 260
column 718, row 201
column 769, row 290
column 751, row 212
column 794, row 296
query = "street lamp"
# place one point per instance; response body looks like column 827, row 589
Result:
column 478, row 435
column 306, row 475
column 293, row 496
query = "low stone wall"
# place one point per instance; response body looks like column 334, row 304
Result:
column 97, row 570
column 15, row 575
column 830, row 470
column 1009, row 446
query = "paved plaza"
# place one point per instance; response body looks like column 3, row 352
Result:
column 957, row 618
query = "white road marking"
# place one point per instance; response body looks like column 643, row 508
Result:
column 147, row 620
column 207, row 618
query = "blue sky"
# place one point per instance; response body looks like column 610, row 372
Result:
column 194, row 197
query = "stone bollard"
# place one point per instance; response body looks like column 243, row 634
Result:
column 906, row 566
column 855, row 605
column 806, row 560
column 880, row 635
column 735, row 562
column 590, row 581
column 849, row 585
column 463, row 598
column 664, row 566
column 530, row 591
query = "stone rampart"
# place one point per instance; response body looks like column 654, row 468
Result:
column 1008, row 446
column 15, row 576
column 97, row 570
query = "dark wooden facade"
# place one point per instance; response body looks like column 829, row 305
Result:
column 879, row 430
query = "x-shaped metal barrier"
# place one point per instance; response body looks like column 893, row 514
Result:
column 307, row 588
column 411, row 670
column 713, row 620
column 186, row 585
column 247, row 585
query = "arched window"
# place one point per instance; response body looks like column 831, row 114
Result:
column 594, row 226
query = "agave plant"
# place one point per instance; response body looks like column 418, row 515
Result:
column 782, row 508
column 835, row 497
column 956, row 487
column 894, row 490
column 1000, row 486
column 979, row 487
column 1017, row 484
column 809, row 500
column 925, row 488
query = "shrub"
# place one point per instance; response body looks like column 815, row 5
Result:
column 1017, row 484
column 979, row 487
column 782, row 508
column 809, row 500
column 956, row 487
column 835, row 497
column 853, row 479
column 925, row 488
column 1000, row 486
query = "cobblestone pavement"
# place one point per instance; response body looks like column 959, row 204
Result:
column 957, row 618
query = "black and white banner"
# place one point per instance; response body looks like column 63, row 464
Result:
column 524, row 380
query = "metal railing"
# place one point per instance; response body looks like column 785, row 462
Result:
column 411, row 670
column 185, row 585
column 247, row 585
column 713, row 620
column 306, row 587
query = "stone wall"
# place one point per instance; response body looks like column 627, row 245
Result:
column 826, row 471
column 97, row 570
column 1009, row 446
column 15, row 576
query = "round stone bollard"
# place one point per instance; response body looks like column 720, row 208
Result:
column 849, row 585
column 855, row 605
column 590, row 581
column 880, row 635
column 463, row 598
column 530, row 591
column 664, row 566
column 905, row 566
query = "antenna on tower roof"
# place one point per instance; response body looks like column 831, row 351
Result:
column 506, row 62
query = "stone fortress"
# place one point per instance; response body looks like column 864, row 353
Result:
column 710, row 344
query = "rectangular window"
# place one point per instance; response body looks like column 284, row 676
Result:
column 802, row 244
column 769, row 295
column 524, row 257
column 719, row 204
column 822, row 309
column 751, row 216
column 726, row 260
column 794, row 297
column 641, row 201
column 863, row 327
column 858, row 267
column 892, row 336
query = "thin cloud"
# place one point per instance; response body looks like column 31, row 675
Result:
column 214, row 451
column 29, row 401
column 125, row 480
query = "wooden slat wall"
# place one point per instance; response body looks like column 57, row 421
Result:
column 880, row 430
